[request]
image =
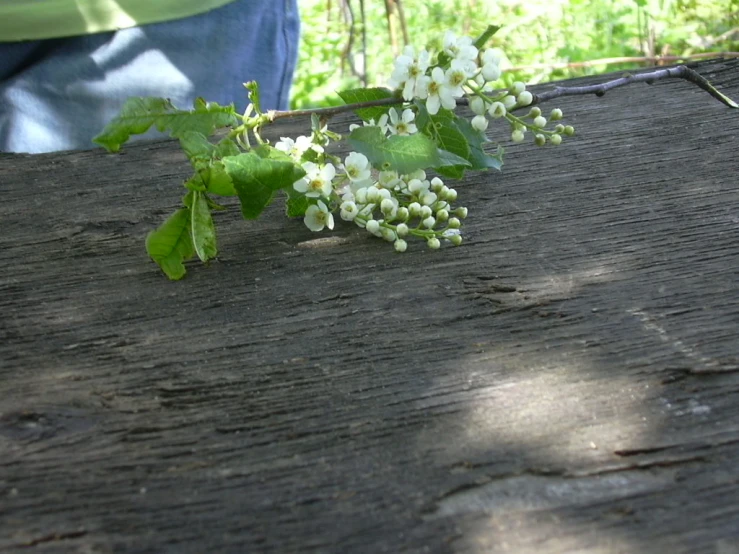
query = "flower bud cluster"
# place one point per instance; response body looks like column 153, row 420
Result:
column 396, row 207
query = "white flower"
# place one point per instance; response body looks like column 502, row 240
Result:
column 477, row 105
column 491, row 72
column 437, row 92
column 389, row 179
column 418, row 187
column 491, row 64
column 348, row 210
column 509, row 101
column 373, row 226
column 525, row 98
column 480, row 122
column 402, row 125
column 428, row 198
column 381, row 123
column 317, row 217
column 497, row 110
column 460, row 48
column 491, row 55
column 296, row 148
column 317, row 180
column 408, row 70
column 456, row 76
column 400, row 245
column 389, row 208
column 357, row 167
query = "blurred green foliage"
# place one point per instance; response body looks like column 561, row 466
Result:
column 340, row 49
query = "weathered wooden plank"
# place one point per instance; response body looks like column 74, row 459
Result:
column 565, row 381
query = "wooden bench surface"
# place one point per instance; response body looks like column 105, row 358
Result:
column 565, row 381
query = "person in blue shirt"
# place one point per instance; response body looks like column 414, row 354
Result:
column 57, row 93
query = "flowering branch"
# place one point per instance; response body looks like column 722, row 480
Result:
column 679, row 72
column 382, row 185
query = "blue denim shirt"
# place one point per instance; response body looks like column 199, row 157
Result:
column 57, row 94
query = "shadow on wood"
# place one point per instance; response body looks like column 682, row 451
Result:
column 565, row 381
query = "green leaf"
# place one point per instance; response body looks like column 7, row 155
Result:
column 402, row 153
column 266, row 151
column 197, row 148
column 203, row 231
column 227, row 147
column 475, row 139
column 171, row 244
column 448, row 137
column 138, row 115
column 353, row 96
column 486, row 35
column 451, row 165
column 296, row 203
column 256, row 179
column 218, row 181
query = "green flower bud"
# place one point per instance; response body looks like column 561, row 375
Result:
column 555, row 139
column 540, row 140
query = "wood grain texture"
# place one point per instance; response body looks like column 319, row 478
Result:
column 566, row 381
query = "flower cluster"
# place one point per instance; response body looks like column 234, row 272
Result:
column 462, row 71
column 395, row 207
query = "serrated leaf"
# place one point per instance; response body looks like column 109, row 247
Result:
column 451, row 165
column 138, row 115
column 296, row 203
column 227, row 147
column 449, row 138
column 475, row 139
column 353, row 96
column 401, row 153
column 486, row 35
column 218, row 181
column 171, row 244
column 270, row 152
column 197, row 148
column 256, row 179
column 203, row 231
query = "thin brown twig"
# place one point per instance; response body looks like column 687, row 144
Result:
column 627, row 59
column 678, row 72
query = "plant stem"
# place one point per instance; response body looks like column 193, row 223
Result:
column 678, row 72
